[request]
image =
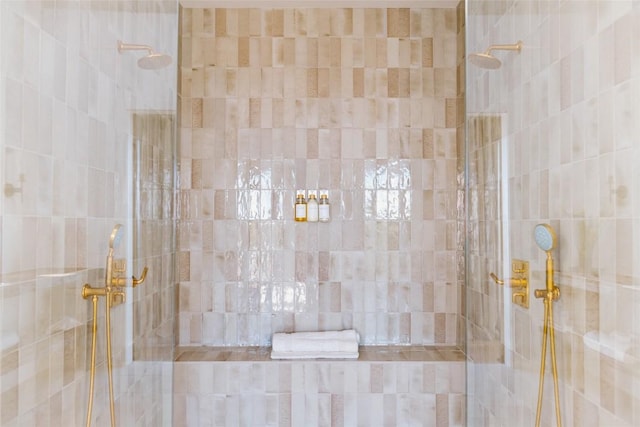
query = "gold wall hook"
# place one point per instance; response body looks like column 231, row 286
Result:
column 513, row 282
column 519, row 281
column 11, row 189
column 135, row 281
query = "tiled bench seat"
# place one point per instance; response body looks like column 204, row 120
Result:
column 385, row 386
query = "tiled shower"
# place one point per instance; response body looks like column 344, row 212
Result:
column 553, row 138
column 368, row 102
column 87, row 140
column 362, row 103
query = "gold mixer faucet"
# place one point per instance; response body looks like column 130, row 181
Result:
column 114, row 293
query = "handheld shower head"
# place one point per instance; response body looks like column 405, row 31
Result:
column 152, row 61
column 545, row 237
column 487, row 60
column 115, row 237
column 114, row 241
column 546, row 240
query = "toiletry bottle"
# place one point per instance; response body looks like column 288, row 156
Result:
column 301, row 208
column 312, row 209
column 324, row 209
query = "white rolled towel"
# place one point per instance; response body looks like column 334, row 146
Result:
column 343, row 344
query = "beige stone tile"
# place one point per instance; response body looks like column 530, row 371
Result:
column 342, row 22
column 196, row 113
column 278, row 52
column 277, row 22
column 381, row 53
column 403, row 83
column 427, row 52
column 243, row 22
column 312, row 83
column 232, row 22
column 370, row 55
column 255, row 24
column 266, row 52
column 221, row 22
column 289, row 52
column 404, row 22
column 243, row 52
column 323, row 22
column 313, row 52
column 393, row 83
column 404, row 53
column 393, row 22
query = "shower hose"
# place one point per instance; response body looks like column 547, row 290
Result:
column 94, row 300
column 548, row 330
column 92, row 376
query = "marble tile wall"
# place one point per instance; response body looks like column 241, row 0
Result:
column 66, row 131
column 360, row 102
column 568, row 149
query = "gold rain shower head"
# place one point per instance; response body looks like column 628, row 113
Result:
column 487, row 60
column 152, row 61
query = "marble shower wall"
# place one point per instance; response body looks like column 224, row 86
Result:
column 66, row 132
column 567, row 152
column 360, row 102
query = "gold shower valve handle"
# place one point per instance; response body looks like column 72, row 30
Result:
column 117, row 297
column 495, row 279
column 517, row 282
column 119, row 282
column 520, row 282
column 119, row 265
column 520, row 298
column 143, row 276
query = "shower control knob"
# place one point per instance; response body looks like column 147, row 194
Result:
column 117, row 297
column 519, row 282
column 552, row 295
